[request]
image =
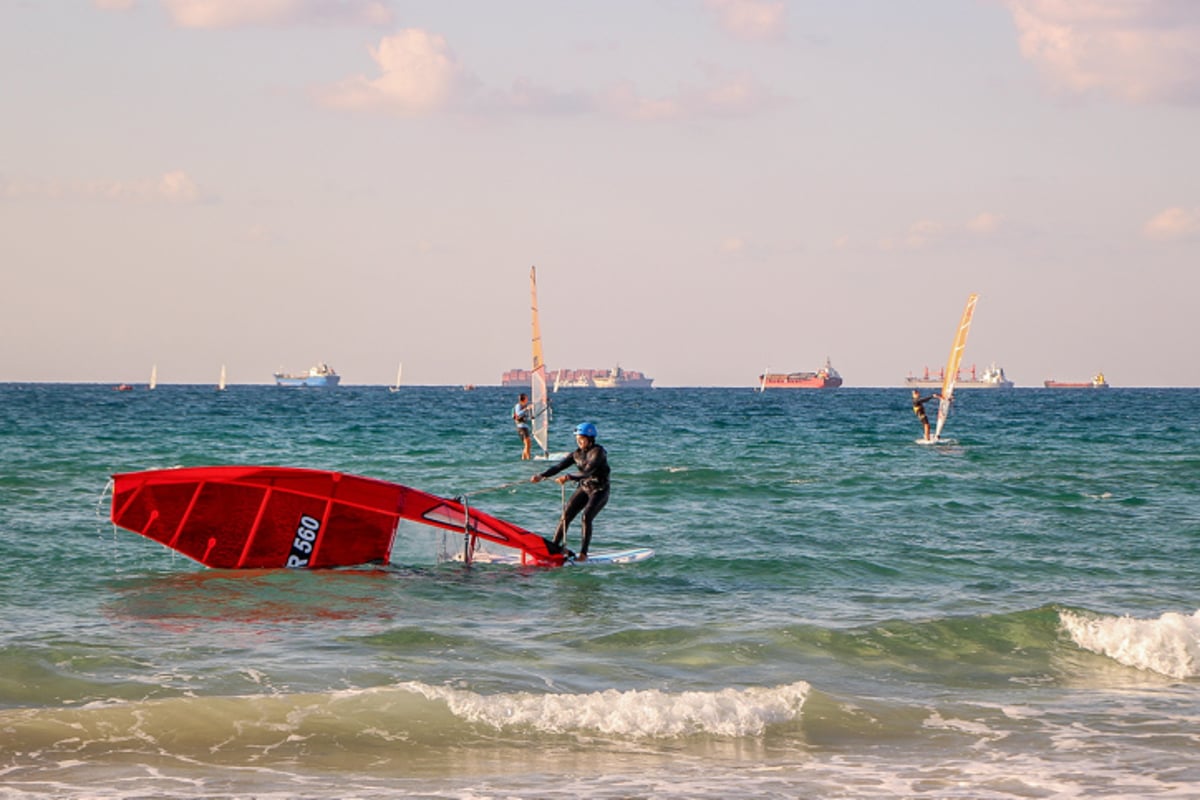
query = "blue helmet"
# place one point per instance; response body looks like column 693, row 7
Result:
column 586, row 429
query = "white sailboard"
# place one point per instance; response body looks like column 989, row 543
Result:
column 631, row 556
column 952, row 365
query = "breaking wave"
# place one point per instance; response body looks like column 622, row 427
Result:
column 1169, row 645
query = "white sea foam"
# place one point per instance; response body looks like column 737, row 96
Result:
column 641, row 713
column 1169, row 645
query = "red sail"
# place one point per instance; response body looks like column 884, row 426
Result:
column 268, row 517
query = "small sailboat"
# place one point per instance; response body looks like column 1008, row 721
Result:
column 399, row 372
column 221, row 382
column 153, row 377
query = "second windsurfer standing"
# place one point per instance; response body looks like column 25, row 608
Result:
column 591, row 491
column 918, row 404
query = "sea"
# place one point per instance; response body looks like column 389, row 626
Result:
column 833, row 610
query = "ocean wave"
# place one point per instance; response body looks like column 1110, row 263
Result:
column 635, row 713
column 1169, row 645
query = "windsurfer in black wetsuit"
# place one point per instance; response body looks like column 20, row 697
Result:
column 919, row 409
column 591, row 492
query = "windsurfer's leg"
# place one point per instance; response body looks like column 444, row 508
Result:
column 595, row 503
column 577, row 502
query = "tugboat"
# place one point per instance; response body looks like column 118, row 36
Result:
column 319, row 376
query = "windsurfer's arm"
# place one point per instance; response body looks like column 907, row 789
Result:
column 554, row 470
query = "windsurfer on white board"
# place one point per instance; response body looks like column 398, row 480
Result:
column 591, row 492
column 522, row 415
column 919, row 409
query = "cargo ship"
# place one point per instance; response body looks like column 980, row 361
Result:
column 617, row 378
column 322, row 375
column 1097, row 382
column 825, row 378
column 991, row 378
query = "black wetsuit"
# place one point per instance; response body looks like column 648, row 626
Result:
column 591, row 492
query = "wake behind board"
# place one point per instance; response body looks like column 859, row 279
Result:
column 936, row 440
column 630, row 556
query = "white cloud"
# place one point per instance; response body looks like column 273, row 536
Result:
column 418, row 74
column 174, row 188
column 1136, row 50
column 240, row 13
column 752, row 20
column 1173, row 223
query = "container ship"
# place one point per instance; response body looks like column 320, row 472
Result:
column 825, row 378
column 322, row 375
column 991, row 378
column 616, row 378
column 1097, row 382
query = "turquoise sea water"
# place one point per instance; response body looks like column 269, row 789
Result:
column 833, row 610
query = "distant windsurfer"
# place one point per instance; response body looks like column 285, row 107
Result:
column 591, row 492
column 522, row 415
column 919, row 409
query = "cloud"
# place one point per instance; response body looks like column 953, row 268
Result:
column 1140, row 51
column 243, row 13
column 1173, row 223
column 984, row 224
column 171, row 188
column 717, row 96
column 920, row 234
column 418, row 74
column 751, row 20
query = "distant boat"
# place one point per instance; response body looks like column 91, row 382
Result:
column 321, row 375
column 581, row 379
column 618, row 378
column 399, row 371
column 153, row 377
column 1097, row 382
column 825, row 378
column 221, row 382
column 991, row 378
column 123, row 387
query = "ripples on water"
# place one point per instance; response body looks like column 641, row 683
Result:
column 833, row 610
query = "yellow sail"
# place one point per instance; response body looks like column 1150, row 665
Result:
column 540, row 427
column 952, row 363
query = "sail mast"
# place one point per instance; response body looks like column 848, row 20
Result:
column 953, row 362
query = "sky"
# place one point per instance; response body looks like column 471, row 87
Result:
column 707, row 188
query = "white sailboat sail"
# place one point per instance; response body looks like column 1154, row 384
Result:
column 153, row 377
column 221, row 382
column 399, row 372
column 540, row 427
column 952, row 364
